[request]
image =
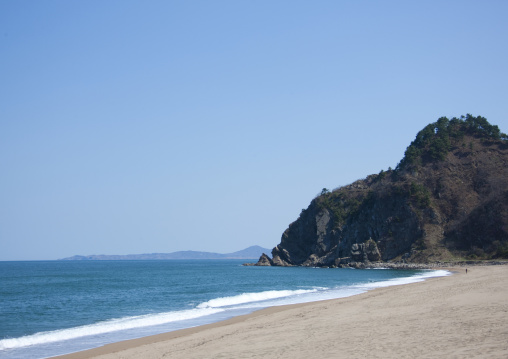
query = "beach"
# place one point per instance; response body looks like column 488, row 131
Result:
column 459, row 316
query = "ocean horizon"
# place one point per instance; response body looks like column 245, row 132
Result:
column 51, row 308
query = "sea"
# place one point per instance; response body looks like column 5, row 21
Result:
column 49, row 308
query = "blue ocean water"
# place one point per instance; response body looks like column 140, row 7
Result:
column 49, row 308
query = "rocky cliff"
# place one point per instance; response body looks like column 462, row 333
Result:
column 446, row 200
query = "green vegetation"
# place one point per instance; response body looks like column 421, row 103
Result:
column 501, row 249
column 435, row 141
column 339, row 205
column 419, row 194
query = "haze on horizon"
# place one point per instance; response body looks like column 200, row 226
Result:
column 131, row 127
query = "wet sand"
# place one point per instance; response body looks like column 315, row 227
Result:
column 459, row 316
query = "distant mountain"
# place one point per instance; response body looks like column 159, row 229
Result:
column 248, row 253
column 253, row 252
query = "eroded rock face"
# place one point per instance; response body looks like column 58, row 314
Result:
column 327, row 233
column 358, row 252
column 312, row 234
column 365, row 252
column 372, row 251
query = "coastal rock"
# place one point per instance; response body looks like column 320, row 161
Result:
column 372, row 251
column 358, row 252
column 365, row 252
column 264, row 260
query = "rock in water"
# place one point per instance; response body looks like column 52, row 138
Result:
column 264, row 260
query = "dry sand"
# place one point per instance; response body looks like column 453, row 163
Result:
column 460, row 316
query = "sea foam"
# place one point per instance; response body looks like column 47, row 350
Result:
column 406, row 280
column 210, row 307
column 106, row 327
column 245, row 298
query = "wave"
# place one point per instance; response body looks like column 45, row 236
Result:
column 210, row 307
column 104, row 327
column 245, row 298
column 406, row 280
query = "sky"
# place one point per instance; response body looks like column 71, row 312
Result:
column 139, row 127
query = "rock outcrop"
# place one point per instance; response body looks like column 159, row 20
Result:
column 264, row 260
column 447, row 199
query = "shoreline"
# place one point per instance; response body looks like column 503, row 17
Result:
column 436, row 317
column 112, row 348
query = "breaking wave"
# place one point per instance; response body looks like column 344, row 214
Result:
column 252, row 297
column 105, row 327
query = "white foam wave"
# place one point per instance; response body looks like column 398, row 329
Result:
column 406, row 280
column 106, row 327
column 252, row 297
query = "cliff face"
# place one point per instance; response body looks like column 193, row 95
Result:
column 447, row 199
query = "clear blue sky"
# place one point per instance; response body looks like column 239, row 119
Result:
column 140, row 127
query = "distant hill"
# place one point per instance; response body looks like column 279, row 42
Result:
column 252, row 252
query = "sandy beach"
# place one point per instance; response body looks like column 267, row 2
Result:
column 459, row 316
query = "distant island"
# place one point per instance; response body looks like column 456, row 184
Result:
column 252, row 252
column 447, row 200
